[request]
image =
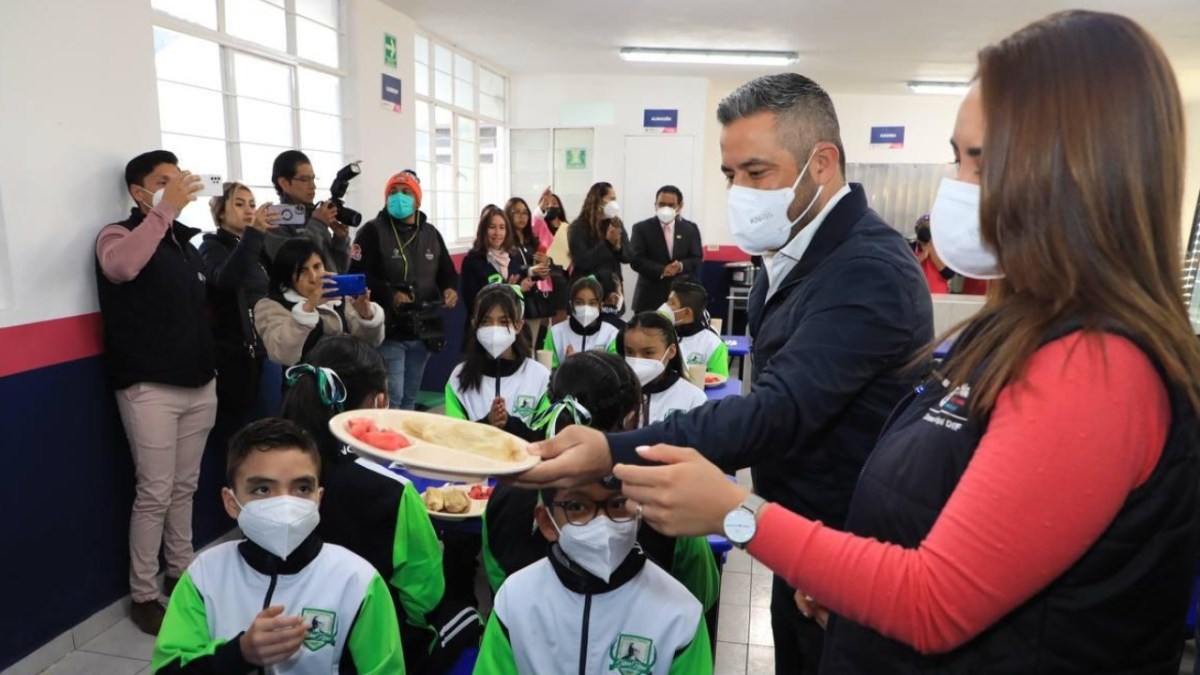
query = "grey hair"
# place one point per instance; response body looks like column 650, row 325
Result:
column 804, row 112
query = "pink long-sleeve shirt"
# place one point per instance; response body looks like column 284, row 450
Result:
column 123, row 252
column 1060, row 456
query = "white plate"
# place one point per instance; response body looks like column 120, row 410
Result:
column 718, row 383
column 427, row 458
column 476, row 511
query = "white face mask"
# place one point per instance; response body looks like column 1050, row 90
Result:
column 671, row 314
column 647, row 370
column 758, row 219
column 278, row 524
column 586, row 315
column 600, row 546
column 496, row 339
column 155, row 197
column 954, row 227
column 612, row 209
column 666, row 214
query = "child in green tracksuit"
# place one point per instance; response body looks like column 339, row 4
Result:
column 281, row 598
column 697, row 340
column 585, row 330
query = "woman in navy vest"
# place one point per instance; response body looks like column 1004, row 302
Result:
column 1032, row 507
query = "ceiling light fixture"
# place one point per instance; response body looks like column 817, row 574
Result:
column 939, row 88
column 709, row 56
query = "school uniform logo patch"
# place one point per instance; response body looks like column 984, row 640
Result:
column 322, row 628
column 694, row 359
column 632, row 655
column 525, row 405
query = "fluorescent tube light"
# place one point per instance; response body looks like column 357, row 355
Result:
column 939, row 88
column 709, row 56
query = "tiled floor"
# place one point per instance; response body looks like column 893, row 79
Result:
column 120, row 650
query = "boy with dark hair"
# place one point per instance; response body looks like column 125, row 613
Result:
column 601, row 605
column 697, row 340
column 227, row 613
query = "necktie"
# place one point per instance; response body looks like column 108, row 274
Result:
column 670, row 241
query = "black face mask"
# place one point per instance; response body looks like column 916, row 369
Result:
column 553, row 213
column 923, row 235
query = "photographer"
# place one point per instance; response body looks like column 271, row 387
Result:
column 296, row 183
column 941, row 278
column 409, row 271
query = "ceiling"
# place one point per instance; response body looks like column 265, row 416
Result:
column 859, row 46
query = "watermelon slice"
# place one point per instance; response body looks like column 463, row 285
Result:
column 385, row 439
column 360, row 427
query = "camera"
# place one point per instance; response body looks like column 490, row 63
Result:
column 337, row 191
column 418, row 320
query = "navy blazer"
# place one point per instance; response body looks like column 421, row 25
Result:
column 832, row 354
column 648, row 256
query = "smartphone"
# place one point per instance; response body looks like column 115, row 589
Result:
column 212, row 185
column 352, row 285
column 289, row 214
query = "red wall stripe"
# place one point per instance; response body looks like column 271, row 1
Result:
column 47, row 343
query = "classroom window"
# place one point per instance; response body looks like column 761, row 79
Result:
column 460, row 109
column 240, row 81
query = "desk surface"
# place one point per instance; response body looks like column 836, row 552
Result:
column 739, row 345
column 732, row 387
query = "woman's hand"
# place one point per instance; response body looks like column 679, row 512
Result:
column 544, row 201
column 541, row 259
column 613, row 235
column 811, row 610
column 362, row 305
column 526, row 284
column 316, row 297
column 498, row 415
column 263, row 218
column 540, row 271
column 688, row 496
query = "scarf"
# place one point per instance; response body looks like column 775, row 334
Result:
column 499, row 260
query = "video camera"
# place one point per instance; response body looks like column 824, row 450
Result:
column 419, row 320
column 341, row 182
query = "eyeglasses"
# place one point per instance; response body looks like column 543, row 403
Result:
column 582, row 512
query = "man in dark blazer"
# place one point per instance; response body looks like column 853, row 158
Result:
column 662, row 248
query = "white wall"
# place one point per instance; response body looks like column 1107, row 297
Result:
column 75, row 107
column 539, row 101
column 1192, row 173
column 86, row 102
column 384, row 140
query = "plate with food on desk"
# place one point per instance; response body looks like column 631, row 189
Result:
column 456, row 502
column 713, row 380
column 433, row 446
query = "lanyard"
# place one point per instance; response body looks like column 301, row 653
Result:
column 403, row 245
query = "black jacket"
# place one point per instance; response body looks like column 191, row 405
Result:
column 832, row 350
column 475, row 272
column 237, row 278
column 430, row 270
column 648, row 256
column 156, row 325
column 1119, row 608
column 592, row 256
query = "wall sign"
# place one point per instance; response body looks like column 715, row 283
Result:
column 391, row 93
column 660, row 120
column 576, row 158
column 389, row 50
column 887, row 137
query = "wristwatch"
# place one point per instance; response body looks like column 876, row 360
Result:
column 741, row 523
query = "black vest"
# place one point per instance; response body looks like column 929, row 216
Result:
column 413, row 259
column 156, row 326
column 1119, row 609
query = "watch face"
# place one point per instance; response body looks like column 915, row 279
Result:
column 739, row 526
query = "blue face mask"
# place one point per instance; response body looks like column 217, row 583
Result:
column 400, row 205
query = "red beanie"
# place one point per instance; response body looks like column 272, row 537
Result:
column 406, row 179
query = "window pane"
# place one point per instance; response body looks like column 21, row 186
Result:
column 422, row 114
column 256, row 21
column 445, row 207
column 422, row 79
column 262, row 79
column 203, row 12
column 424, row 169
column 491, row 106
column 466, row 228
column 324, row 11
column 466, row 178
column 424, row 152
column 257, row 161
column 464, row 68
column 464, row 94
column 490, row 82
column 321, row 131
column 320, row 92
column 316, row 42
column 444, row 86
column 260, row 122
column 325, row 166
column 198, row 155
column 466, row 129
column 183, row 58
column 420, row 49
column 189, row 110
column 467, row 157
column 442, row 59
